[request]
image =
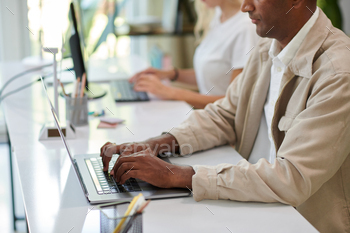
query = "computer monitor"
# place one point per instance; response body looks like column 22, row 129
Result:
column 92, row 90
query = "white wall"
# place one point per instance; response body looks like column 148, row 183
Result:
column 14, row 36
column 345, row 7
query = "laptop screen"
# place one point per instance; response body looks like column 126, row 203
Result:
column 58, row 126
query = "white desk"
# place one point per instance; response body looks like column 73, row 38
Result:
column 54, row 201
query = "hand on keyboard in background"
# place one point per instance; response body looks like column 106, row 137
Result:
column 150, row 83
column 160, row 74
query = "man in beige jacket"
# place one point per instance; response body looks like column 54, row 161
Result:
column 298, row 85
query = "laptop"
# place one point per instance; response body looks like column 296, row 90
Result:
column 121, row 89
column 98, row 186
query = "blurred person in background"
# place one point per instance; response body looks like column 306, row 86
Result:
column 225, row 36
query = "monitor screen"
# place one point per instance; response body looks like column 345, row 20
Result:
column 75, row 46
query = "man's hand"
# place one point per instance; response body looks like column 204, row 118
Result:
column 145, row 165
column 139, row 160
column 109, row 149
column 158, row 144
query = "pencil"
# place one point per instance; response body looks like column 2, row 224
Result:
column 77, row 87
column 64, row 92
column 139, row 211
column 83, row 82
column 120, row 224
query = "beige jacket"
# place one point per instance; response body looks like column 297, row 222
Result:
column 311, row 131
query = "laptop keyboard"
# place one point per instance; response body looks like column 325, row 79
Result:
column 104, row 182
column 123, row 91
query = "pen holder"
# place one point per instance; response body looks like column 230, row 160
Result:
column 77, row 110
column 132, row 224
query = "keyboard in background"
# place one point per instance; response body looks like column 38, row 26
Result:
column 123, row 91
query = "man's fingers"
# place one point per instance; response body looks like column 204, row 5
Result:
column 103, row 148
column 108, row 152
column 129, row 147
column 127, row 153
column 123, row 168
column 105, row 161
column 128, row 157
column 127, row 175
column 120, row 161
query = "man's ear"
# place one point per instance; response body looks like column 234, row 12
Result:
column 299, row 3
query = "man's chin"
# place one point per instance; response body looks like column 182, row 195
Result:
column 262, row 32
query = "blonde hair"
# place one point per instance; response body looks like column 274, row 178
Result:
column 204, row 18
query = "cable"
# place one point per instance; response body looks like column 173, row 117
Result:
column 18, row 89
column 23, row 87
column 20, row 75
column 27, row 85
column 24, row 73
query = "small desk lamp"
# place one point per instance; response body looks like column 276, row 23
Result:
column 49, row 130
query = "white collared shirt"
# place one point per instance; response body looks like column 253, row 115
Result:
column 280, row 61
